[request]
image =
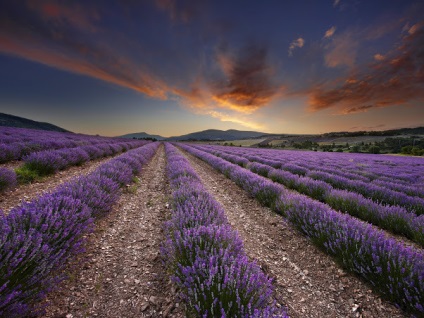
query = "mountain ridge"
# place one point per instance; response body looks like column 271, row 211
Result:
column 8, row 120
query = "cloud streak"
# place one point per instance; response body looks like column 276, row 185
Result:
column 393, row 80
column 236, row 119
column 33, row 37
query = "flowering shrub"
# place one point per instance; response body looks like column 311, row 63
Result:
column 98, row 192
column 117, row 171
column 7, row 179
column 206, row 257
column 45, row 162
column 35, row 239
column 74, row 156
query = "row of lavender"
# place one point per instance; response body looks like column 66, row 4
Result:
column 42, row 163
column 394, row 270
column 205, row 255
column 16, row 143
column 395, row 219
column 378, row 193
column 403, row 174
column 39, row 237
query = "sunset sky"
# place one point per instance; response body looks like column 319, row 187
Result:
column 174, row 67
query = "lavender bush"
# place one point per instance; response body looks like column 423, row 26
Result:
column 74, row 156
column 45, row 162
column 34, row 241
column 117, row 171
column 98, row 192
column 7, row 179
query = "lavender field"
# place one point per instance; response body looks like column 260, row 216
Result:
column 173, row 230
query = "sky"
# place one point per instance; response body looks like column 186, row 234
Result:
column 172, row 67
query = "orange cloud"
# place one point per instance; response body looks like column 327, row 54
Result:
column 247, row 83
column 342, row 51
column 300, row 42
column 330, row 32
column 134, row 79
column 393, row 80
column 379, row 57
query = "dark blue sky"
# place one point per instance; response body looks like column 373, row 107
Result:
column 173, row 67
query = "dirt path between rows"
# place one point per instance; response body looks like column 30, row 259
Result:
column 27, row 192
column 123, row 275
column 305, row 279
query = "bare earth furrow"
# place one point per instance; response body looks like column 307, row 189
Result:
column 306, row 280
column 123, row 275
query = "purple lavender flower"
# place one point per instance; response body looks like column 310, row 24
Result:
column 7, row 179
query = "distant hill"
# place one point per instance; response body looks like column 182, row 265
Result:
column 20, row 122
column 141, row 135
column 215, row 134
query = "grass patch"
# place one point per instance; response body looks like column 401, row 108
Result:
column 26, row 174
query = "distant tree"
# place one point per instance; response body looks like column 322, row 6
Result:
column 417, row 151
column 374, row 149
column 355, row 148
column 406, row 150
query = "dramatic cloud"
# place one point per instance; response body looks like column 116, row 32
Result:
column 247, row 83
column 58, row 34
column 63, row 46
column 330, row 32
column 244, row 85
column 394, row 80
